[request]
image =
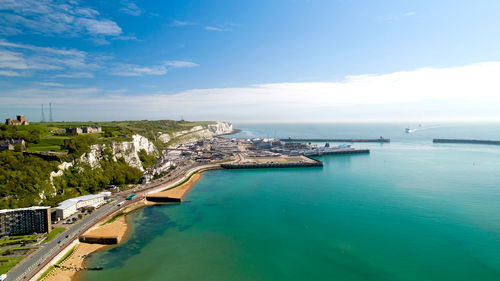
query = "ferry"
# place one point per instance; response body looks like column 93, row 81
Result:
column 408, row 130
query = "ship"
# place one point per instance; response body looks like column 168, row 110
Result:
column 408, row 130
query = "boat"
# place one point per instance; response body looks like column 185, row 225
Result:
column 408, row 130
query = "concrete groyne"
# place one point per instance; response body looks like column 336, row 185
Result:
column 163, row 199
column 109, row 240
column 491, row 142
column 339, row 140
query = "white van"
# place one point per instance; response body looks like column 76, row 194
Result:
column 3, row 277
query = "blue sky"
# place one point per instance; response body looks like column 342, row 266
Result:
column 250, row 60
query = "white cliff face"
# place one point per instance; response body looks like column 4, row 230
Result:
column 198, row 132
column 61, row 168
column 221, row 128
column 127, row 150
column 92, row 157
column 164, row 137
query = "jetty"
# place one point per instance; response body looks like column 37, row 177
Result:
column 491, row 142
column 381, row 140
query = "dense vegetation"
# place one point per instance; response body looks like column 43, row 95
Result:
column 30, row 135
column 82, row 179
column 23, row 178
column 148, row 160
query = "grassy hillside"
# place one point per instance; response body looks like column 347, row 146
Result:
column 24, row 177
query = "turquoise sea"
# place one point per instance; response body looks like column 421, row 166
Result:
column 410, row 210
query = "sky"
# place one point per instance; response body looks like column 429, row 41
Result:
column 251, row 61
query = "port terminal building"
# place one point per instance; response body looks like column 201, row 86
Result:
column 71, row 206
column 24, row 221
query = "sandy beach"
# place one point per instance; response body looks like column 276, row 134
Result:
column 180, row 191
column 75, row 263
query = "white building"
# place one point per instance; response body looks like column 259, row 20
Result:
column 70, row 206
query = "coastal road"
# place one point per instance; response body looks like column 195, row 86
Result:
column 32, row 264
column 187, row 174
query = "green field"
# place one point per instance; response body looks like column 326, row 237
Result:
column 17, row 240
column 7, row 263
column 54, row 232
column 111, row 131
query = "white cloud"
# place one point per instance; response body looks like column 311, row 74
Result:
column 214, row 28
column 51, row 17
column 409, row 14
column 130, row 8
column 75, row 75
column 464, row 92
column 135, row 70
column 9, row 73
column 50, row 84
column 29, row 58
column 100, row 27
column 178, row 63
column 181, row 23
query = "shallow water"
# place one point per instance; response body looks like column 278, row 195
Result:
column 410, row 210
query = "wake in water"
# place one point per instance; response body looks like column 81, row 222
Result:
column 408, row 130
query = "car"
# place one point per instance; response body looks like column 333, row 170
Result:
column 67, row 235
column 59, row 242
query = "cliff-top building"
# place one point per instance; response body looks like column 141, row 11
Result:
column 84, row 130
column 24, row 221
column 11, row 144
column 21, row 120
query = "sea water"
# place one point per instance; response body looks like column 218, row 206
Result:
column 409, row 210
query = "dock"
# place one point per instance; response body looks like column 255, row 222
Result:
column 490, row 142
column 381, row 140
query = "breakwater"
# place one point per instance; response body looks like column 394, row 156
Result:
column 491, row 142
column 339, row 140
column 272, row 165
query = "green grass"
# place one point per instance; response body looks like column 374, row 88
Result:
column 14, row 240
column 61, row 260
column 54, row 232
column 113, row 218
column 8, row 263
column 49, row 270
column 66, row 255
column 120, row 131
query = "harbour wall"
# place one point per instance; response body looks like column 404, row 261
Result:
column 339, row 140
column 491, row 142
column 272, row 165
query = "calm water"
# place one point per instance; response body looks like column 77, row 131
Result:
column 410, row 210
